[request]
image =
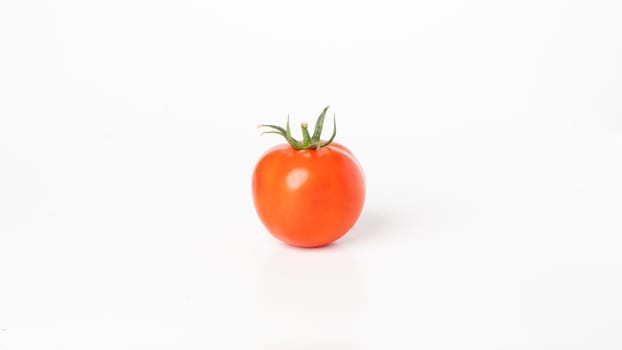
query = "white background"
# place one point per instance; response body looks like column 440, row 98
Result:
column 490, row 133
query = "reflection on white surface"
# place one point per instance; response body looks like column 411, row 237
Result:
column 310, row 297
column 324, row 345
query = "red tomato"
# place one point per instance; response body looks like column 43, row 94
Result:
column 309, row 193
column 308, row 197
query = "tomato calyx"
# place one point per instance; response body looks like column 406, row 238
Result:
column 308, row 141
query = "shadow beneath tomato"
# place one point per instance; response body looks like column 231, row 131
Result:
column 371, row 225
column 304, row 345
column 329, row 246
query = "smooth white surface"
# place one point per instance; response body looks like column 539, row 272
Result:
column 490, row 134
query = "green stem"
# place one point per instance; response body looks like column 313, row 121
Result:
column 306, row 138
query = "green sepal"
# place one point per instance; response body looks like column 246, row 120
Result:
column 319, row 124
column 273, row 127
column 273, row 132
column 288, row 135
column 332, row 137
column 308, row 142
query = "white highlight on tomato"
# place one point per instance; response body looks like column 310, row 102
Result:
column 296, row 178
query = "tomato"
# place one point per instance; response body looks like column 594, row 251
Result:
column 308, row 194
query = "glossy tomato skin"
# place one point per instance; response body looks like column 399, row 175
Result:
column 308, row 198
